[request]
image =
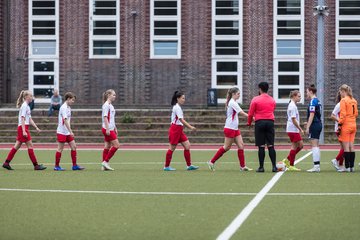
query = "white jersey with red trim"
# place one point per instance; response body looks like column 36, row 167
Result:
column 176, row 115
column 292, row 112
column 108, row 111
column 64, row 113
column 24, row 112
column 336, row 112
column 232, row 118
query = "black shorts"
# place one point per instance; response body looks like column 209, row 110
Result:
column 264, row 132
column 315, row 130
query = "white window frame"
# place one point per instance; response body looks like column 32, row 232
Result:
column 288, row 58
column 227, row 58
column 47, row 58
column 93, row 37
column 154, row 38
column 347, row 37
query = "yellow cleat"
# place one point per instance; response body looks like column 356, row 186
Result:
column 286, row 162
column 294, row 169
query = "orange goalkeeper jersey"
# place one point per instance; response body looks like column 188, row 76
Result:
column 348, row 111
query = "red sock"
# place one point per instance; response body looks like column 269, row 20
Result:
column 241, row 157
column 73, row 157
column 187, row 157
column 169, row 154
column 57, row 158
column 32, row 156
column 105, row 153
column 291, row 156
column 11, row 155
column 218, row 154
column 340, row 157
column 110, row 154
column 298, row 150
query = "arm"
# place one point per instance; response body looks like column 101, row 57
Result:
column 242, row 113
column 309, row 122
column 187, row 124
column 333, row 117
column 67, row 125
column 106, row 121
column 32, row 123
column 251, row 113
column 296, row 124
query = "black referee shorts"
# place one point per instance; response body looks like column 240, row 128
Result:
column 264, row 132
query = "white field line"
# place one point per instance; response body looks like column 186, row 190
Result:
column 244, row 214
column 172, row 193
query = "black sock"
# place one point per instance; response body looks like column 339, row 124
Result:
column 272, row 155
column 261, row 155
column 352, row 159
column 347, row 159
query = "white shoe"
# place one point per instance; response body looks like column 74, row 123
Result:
column 316, row 168
column 106, row 166
column 335, row 164
column 341, row 169
column 211, row 166
column 245, row 169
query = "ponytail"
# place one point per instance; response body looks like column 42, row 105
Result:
column 229, row 95
column 338, row 97
column 347, row 89
column 107, row 93
column 21, row 97
column 312, row 88
column 175, row 97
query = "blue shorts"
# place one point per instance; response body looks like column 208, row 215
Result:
column 315, row 130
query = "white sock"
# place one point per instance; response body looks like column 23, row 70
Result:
column 316, row 155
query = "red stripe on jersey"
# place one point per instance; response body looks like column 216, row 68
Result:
column 233, row 115
column 176, row 118
column 108, row 116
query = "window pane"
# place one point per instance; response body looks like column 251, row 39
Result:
column 43, row 28
column 104, row 48
column 43, row 93
column 105, row 8
column 165, row 8
column 227, row 7
column 288, row 27
column 289, row 67
column 165, row 28
column 226, row 80
column 349, row 8
column 226, row 67
column 227, row 27
column 43, row 8
column 165, row 47
column 289, row 7
column 288, row 47
column 349, row 48
column 222, row 93
column 349, row 27
column 289, row 80
column 43, row 79
column 43, row 66
column 284, row 93
column 227, row 48
column 104, row 27
column 43, row 47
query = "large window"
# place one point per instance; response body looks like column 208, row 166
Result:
column 348, row 29
column 226, row 46
column 43, row 48
column 288, row 48
column 165, row 29
column 104, row 29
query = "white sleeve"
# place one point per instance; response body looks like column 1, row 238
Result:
column 336, row 109
column 23, row 111
column 106, row 109
column 292, row 112
column 63, row 112
column 234, row 105
column 179, row 113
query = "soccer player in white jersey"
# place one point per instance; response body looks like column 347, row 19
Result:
column 231, row 130
column 176, row 133
column 338, row 162
column 23, row 134
column 109, row 129
column 65, row 134
column 293, row 130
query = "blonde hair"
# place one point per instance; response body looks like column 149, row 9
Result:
column 293, row 93
column 229, row 94
column 347, row 89
column 107, row 93
column 21, row 98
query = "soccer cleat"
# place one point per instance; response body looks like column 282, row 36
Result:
column 261, row 169
column 58, row 168
column 39, row 167
column 192, row 167
column 294, row 169
column 245, row 169
column 335, row 163
column 170, row 169
column 106, row 167
column 211, row 166
column 77, row 168
column 316, row 168
column 286, row 162
column 274, row 169
column 7, row 166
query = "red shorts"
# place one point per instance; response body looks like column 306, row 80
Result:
column 20, row 137
column 294, row 137
column 109, row 138
column 64, row 138
column 231, row 133
column 176, row 134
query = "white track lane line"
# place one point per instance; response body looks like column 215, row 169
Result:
column 244, row 214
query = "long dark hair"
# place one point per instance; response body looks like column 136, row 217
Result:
column 338, row 97
column 175, row 97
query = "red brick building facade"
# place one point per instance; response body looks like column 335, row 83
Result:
column 146, row 49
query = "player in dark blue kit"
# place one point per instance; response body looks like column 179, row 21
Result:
column 314, row 126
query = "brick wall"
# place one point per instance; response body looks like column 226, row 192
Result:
column 2, row 50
